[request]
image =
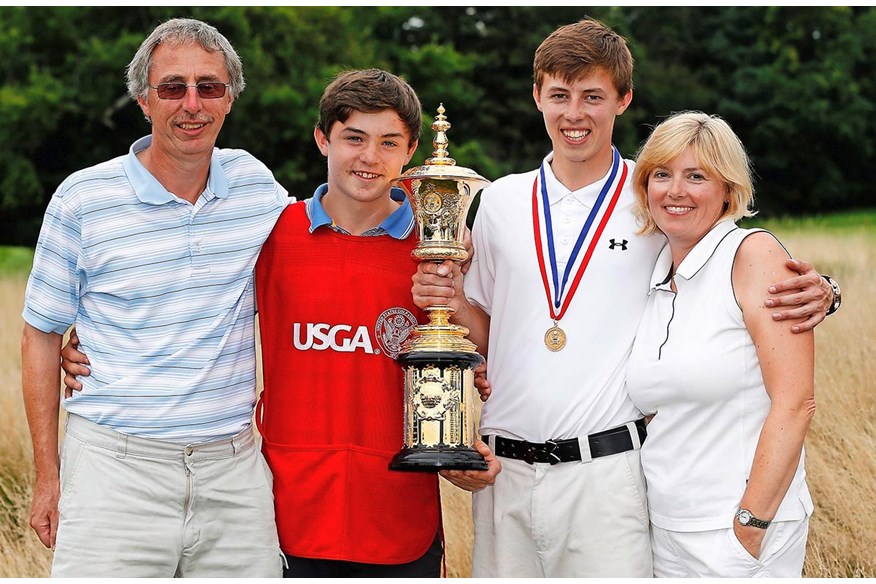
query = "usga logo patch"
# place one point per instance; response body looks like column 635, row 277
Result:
column 392, row 328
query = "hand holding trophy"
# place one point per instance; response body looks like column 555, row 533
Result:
column 438, row 360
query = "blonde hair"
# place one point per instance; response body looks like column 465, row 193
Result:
column 716, row 148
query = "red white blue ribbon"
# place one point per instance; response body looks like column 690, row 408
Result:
column 556, row 302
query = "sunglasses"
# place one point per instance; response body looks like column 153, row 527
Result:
column 206, row 90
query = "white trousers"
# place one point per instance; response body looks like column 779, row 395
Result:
column 572, row 519
column 718, row 553
column 132, row 507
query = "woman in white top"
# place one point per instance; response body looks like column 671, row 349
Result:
column 731, row 390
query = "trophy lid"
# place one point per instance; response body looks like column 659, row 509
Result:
column 441, row 166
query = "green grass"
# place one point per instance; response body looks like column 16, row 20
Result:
column 846, row 221
column 18, row 260
column 15, row 260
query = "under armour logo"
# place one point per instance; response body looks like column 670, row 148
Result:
column 621, row 244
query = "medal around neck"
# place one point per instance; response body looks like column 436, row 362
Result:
column 437, row 359
column 555, row 338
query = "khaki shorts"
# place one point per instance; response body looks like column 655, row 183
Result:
column 132, row 507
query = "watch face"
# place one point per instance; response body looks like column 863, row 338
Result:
column 744, row 517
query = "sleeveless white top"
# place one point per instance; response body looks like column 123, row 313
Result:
column 695, row 365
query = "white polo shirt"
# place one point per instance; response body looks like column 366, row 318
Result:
column 537, row 394
column 695, row 365
column 160, row 291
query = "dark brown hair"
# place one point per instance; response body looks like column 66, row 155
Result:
column 369, row 91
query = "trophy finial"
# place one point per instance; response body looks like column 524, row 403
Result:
column 440, row 193
column 440, row 156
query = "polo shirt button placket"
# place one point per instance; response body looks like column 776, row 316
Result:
column 196, row 248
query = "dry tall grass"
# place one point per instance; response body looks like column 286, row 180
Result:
column 21, row 553
column 841, row 447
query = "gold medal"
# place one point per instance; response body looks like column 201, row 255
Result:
column 555, row 339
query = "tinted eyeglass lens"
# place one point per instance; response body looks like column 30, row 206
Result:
column 206, row 90
column 171, row 90
column 211, row 90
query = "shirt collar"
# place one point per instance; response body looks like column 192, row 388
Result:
column 557, row 191
column 695, row 259
column 150, row 191
column 398, row 225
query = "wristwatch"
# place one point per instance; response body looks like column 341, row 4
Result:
column 837, row 295
column 746, row 518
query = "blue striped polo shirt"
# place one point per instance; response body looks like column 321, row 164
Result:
column 160, row 291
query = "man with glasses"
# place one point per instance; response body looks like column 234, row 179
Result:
column 151, row 256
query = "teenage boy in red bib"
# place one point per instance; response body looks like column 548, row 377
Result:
column 555, row 293
column 333, row 287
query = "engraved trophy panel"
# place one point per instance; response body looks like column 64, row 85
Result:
column 437, row 408
column 438, row 360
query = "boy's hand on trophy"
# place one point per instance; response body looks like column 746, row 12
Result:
column 475, row 480
column 481, row 383
column 469, row 249
column 437, row 284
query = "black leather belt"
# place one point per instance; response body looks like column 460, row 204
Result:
column 604, row 443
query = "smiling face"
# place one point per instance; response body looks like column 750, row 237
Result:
column 188, row 127
column 579, row 118
column 685, row 201
column 365, row 153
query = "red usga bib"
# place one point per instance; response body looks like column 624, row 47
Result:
column 334, row 310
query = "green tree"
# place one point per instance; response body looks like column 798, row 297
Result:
column 797, row 84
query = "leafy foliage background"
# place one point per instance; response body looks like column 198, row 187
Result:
column 797, row 84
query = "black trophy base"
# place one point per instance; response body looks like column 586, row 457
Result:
column 438, row 459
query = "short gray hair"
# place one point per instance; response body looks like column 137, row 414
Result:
column 182, row 31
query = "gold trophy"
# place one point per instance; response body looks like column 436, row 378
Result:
column 438, row 360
